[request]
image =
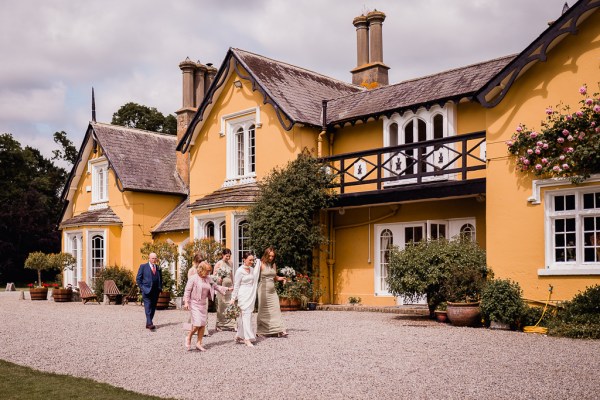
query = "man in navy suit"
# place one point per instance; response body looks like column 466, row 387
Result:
column 150, row 283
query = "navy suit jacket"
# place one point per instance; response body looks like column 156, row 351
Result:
column 144, row 278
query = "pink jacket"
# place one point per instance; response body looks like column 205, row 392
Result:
column 193, row 289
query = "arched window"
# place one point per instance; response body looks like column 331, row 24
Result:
column 223, row 233
column 386, row 241
column 468, row 230
column 243, row 239
column 97, row 259
column 240, row 151
column 76, row 252
column 209, row 230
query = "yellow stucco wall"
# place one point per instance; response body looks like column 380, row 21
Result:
column 516, row 228
column 354, row 250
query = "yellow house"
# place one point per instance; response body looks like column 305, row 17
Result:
column 123, row 184
column 420, row 159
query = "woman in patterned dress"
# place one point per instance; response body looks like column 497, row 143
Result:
column 224, row 272
column 269, row 321
column 197, row 291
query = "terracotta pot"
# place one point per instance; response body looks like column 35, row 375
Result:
column 164, row 298
column 464, row 314
column 62, row 295
column 286, row 304
column 441, row 316
column 39, row 293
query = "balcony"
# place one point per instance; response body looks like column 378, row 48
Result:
column 440, row 168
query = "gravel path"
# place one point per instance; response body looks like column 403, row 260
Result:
column 328, row 355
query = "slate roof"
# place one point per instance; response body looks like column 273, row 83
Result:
column 104, row 216
column 296, row 90
column 242, row 194
column 142, row 160
column 177, row 220
column 438, row 88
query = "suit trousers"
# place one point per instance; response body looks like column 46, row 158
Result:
column 150, row 301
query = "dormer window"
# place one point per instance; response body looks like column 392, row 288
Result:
column 99, row 171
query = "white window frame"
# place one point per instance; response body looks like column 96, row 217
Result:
column 234, row 241
column 232, row 123
column 448, row 113
column 579, row 266
column 99, row 170
column 90, row 235
column 73, row 276
column 201, row 222
column 453, row 227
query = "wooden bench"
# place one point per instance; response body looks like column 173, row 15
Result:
column 85, row 293
column 112, row 292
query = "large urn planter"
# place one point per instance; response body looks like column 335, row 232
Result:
column 62, row 295
column 164, row 298
column 286, row 304
column 39, row 293
column 464, row 314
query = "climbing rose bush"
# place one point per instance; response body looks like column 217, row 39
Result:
column 568, row 144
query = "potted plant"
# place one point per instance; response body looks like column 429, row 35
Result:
column 443, row 270
column 40, row 262
column 290, row 293
column 315, row 294
column 440, row 312
column 63, row 261
column 502, row 303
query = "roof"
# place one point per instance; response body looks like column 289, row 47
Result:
column 177, row 220
column 103, row 216
column 453, row 84
column 142, row 160
column 235, row 195
column 296, row 90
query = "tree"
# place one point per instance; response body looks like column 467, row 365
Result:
column 68, row 152
column 139, row 116
column 286, row 213
column 30, row 206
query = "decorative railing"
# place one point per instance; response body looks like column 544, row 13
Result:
column 451, row 158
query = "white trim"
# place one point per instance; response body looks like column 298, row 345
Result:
column 201, row 221
column 99, row 195
column 225, row 118
column 89, row 234
column 563, row 271
column 538, row 184
column 243, row 121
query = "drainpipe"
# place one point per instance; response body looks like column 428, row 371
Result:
column 323, row 130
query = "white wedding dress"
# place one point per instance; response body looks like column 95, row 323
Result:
column 244, row 290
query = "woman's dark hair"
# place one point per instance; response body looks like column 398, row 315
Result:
column 225, row 251
column 198, row 258
column 265, row 256
column 246, row 254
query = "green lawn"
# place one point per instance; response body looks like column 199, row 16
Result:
column 20, row 382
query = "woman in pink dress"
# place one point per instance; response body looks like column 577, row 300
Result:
column 197, row 291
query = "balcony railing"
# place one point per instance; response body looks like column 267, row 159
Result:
column 452, row 158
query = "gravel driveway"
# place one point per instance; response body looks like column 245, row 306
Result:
column 328, row 355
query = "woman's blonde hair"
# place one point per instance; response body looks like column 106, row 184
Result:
column 204, row 269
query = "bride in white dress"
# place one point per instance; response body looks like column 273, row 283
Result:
column 244, row 291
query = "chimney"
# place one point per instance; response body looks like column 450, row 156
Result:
column 199, row 88
column 370, row 72
column 210, row 76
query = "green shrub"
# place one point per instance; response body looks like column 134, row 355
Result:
column 502, row 301
column 443, row 270
column 532, row 314
column 580, row 317
column 122, row 276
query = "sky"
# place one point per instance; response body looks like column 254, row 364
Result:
column 52, row 52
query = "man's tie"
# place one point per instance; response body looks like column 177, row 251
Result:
column 153, row 269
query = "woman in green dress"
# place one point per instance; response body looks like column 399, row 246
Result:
column 224, row 272
column 269, row 321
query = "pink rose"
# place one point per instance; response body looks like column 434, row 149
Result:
column 583, row 89
column 565, row 132
column 561, row 157
column 581, row 136
column 509, row 143
column 560, row 140
column 545, row 146
column 526, row 161
column 565, row 166
column 570, row 138
column 544, row 161
column 537, row 150
column 533, row 134
column 549, row 111
column 579, row 113
column 538, row 167
column 569, row 117
column 529, row 151
column 539, row 144
column 556, row 168
column 589, row 102
column 570, row 149
column 593, row 124
column 519, row 128
column 597, row 108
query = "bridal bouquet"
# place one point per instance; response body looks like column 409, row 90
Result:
column 224, row 271
column 232, row 311
column 214, row 279
column 288, row 272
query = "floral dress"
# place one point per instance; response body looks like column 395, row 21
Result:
column 223, row 268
